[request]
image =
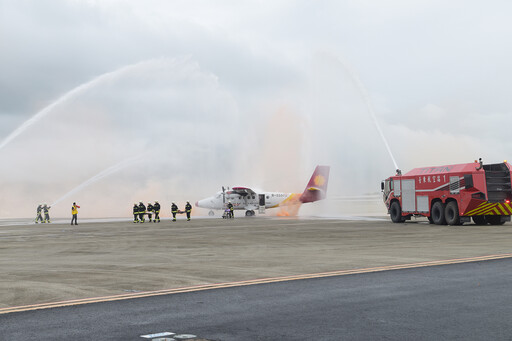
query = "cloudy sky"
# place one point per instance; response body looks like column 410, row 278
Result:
column 202, row 94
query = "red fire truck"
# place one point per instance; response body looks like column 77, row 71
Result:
column 451, row 194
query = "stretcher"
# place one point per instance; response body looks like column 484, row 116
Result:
column 227, row 214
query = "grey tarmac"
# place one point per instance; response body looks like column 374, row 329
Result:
column 59, row 262
column 468, row 301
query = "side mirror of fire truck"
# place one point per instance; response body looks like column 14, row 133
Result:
column 382, row 185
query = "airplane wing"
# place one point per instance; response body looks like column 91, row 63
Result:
column 243, row 191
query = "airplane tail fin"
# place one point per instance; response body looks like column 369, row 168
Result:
column 317, row 186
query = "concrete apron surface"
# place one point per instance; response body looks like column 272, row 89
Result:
column 57, row 262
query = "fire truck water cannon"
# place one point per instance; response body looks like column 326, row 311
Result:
column 451, row 194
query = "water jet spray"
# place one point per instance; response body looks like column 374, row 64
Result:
column 109, row 171
column 68, row 95
column 366, row 98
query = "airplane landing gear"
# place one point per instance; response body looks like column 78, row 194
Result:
column 211, row 213
column 249, row 213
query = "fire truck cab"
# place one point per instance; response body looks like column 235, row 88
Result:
column 451, row 194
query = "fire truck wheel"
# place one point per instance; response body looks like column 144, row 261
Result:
column 479, row 220
column 395, row 211
column 437, row 213
column 451, row 213
column 494, row 220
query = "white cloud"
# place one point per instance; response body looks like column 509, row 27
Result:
column 437, row 73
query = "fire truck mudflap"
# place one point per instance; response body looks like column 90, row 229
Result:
column 451, row 194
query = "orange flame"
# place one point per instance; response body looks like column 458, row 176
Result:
column 290, row 207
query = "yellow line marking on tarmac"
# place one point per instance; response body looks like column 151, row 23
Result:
column 248, row 282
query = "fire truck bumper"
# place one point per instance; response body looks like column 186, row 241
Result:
column 487, row 208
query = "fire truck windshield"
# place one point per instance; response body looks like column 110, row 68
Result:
column 386, row 187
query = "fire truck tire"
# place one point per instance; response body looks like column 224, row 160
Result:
column 451, row 213
column 479, row 220
column 437, row 213
column 494, row 220
column 395, row 212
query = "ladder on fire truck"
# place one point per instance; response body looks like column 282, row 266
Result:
column 497, row 177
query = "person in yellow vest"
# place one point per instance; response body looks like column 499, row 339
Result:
column 74, row 212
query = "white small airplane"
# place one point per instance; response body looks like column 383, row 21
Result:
column 244, row 198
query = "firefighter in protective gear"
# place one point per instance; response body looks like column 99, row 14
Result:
column 150, row 211
column 174, row 210
column 156, row 207
column 142, row 211
column 74, row 213
column 39, row 216
column 46, row 213
column 135, row 213
column 188, row 209
column 231, row 210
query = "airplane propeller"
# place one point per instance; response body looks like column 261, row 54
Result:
column 223, row 195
